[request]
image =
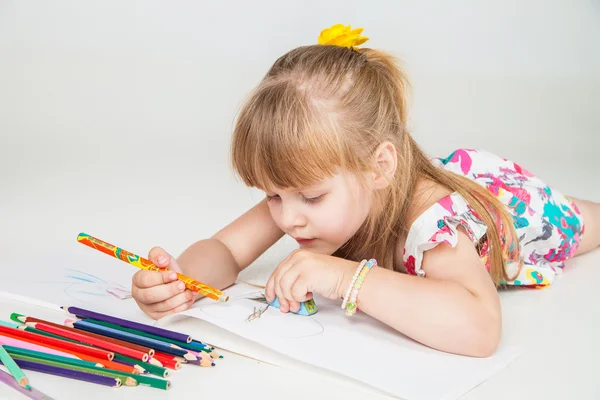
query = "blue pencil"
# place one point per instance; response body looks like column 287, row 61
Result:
column 157, row 345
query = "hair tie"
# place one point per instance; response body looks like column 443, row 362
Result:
column 342, row 35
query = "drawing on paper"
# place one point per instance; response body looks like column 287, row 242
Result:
column 244, row 310
column 84, row 286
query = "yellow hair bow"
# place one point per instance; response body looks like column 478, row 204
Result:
column 342, row 35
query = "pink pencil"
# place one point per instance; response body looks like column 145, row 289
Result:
column 8, row 341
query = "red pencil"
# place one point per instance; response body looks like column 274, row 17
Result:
column 25, row 319
column 167, row 360
column 100, row 343
column 56, row 344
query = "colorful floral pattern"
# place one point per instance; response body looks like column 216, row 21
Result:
column 548, row 224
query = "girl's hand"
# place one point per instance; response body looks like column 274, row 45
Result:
column 160, row 293
column 303, row 273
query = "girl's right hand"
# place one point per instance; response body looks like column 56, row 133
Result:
column 159, row 294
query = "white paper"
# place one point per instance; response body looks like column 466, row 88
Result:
column 359, row 347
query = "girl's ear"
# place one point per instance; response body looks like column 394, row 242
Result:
column 386, row 163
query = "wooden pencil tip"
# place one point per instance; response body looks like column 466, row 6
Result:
column 190, row 357
column 154, row 361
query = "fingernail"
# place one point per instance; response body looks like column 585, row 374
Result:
column 174, row 276
column 162, row 260
column 181, row 285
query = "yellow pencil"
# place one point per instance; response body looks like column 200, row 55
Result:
column 143, row 263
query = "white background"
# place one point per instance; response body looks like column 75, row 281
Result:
column 116, row 116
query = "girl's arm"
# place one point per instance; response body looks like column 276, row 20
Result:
column 455, row 308
column 218, row 261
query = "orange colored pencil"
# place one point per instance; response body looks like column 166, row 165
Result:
column 143, row 349
column 146, row 264
column 108, row 364
column 102, row 344
column 56, row 344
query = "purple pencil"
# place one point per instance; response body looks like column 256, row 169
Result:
column 82, row 313
column 32, row 393
column 69, row 373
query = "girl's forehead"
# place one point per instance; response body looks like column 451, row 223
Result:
column 337, row 180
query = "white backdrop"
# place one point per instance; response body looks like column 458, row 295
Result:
column 116, row 116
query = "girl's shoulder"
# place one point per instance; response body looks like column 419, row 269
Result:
column 476, row 162
column 439, row 223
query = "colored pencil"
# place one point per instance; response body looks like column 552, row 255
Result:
column 154, row 361
column 203, row 360
column 143, row 263
column 110, row 364
column 25, row 319
column 9, row 324
column 79, row 356
column 32, row 392
column 150, row 368
column 8, row 341
column 125, row 379
column 72, row 354
column 92, row 341
column 13, row 368
column 68, row 373
column 83, row 313
column 130, row 337
column 197, row 347
column 137, row 368
column 16, row 351
column 55, row 343
column 167, row 360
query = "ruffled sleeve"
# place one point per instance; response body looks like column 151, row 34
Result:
column 438, row 224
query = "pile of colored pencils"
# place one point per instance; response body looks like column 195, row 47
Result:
column 96, row 348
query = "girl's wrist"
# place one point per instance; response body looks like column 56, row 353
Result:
column 347, row 273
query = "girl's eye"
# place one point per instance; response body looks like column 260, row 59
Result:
column 272, row 197
column 312, row 200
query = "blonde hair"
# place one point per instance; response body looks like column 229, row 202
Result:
column 324, row 107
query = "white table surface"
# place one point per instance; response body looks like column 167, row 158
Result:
column 559, row 325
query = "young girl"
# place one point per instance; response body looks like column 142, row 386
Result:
column 420, row 244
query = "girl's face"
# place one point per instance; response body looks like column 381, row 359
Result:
column 323, row 217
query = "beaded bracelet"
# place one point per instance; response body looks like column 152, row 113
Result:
column 360, row 267
column 352, row 304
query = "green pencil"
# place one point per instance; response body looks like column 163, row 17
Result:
column 125, row 378
column 151, row 368
column 13, row 368
column 18, row 351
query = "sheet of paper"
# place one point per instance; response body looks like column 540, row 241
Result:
column 81, row 278
column 358, row 347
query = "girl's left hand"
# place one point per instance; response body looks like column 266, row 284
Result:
column 303, row 273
